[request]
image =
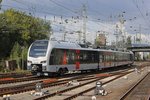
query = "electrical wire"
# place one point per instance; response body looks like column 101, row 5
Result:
column 63, row 7
column 136, row 5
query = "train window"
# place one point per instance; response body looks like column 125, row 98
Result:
column 62, row 56
column 51, row 60
column 39, row 48
column 71, row 56
column 100, row 58
column 56, row 57
column 113, row 57
column 89, row 57
column 106, row 58
column 84, row 57
column 103, row 57
column 116, row 57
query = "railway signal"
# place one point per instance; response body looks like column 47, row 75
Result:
column 99, row 90
column 6, row 97
column 38, row 88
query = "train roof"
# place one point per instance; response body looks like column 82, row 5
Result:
column 70, row 45
column 76, row 46
column 63, row 44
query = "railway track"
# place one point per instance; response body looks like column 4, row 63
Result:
column 46, row 83
column 55, row 96
column 14, row 75
column 21, row 79
column 49, row 83
column 31, row 86
column 139, row 91
column 148, row 97
column 31, row 78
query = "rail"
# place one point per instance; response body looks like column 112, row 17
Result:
column 69, row 89
column 133, row 87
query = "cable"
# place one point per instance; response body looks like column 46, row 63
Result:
column 63, row 7
column 144, row 6
column 47, row 13
column 20, row 3
column 70, row 11
column 37, row 11
column 135, row 3
column 41, row 9
column 56, row 4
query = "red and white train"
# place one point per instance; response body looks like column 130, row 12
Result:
column 46, row 57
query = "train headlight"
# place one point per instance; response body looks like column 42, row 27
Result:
column 43, row 61
column 29, row 61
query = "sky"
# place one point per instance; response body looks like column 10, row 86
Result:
column 102, row 16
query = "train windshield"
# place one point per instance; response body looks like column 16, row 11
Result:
column 38, row 49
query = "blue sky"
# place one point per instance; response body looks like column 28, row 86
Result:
column 103, row 15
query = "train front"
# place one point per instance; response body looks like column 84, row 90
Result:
column 37, row 59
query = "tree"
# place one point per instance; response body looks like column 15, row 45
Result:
column 16, row 53
column 19, row 27
column 97, row 42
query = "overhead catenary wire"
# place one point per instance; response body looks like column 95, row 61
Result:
column 48, row 11
column 137, row 6
column 56, row 4
column 72, row 11
column 64, row 7
column 24, row 9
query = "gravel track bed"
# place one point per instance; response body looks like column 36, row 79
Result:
column 118, row 87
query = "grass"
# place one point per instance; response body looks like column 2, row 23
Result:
column 19, row 71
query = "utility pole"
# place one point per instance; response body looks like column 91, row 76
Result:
column 45, row 18
column 84, row 23
column 136, row 38
column 117, row 35
column 122, row 33
column 51, row 32
column 140, row 38
column 79, row 35
column 0, row 4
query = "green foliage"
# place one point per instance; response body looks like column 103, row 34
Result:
column 24, row 53
column 18, row 29
column 1, row 65
column 98, row 42
column 16, row 51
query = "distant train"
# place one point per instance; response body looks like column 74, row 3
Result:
column 46, row 57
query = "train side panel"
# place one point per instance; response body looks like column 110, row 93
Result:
column 44, row 57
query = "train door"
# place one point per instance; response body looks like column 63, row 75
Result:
column 77, row 66
column 115, row 59
column 100, row 60
column 97, row 59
